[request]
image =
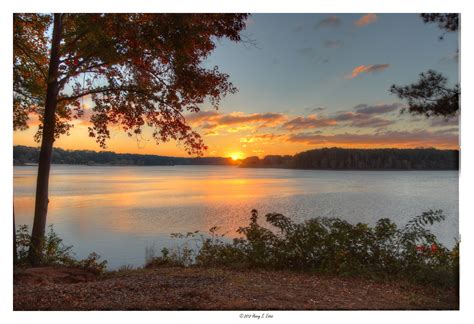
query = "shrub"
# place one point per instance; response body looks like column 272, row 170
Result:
column 182, row 255
column 330, row 245
column 54, row 252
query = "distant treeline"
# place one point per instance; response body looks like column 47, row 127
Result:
column 361, row 159
column 26, row 154
column 322, row 159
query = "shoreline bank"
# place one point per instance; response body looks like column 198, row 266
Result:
column 199, row 288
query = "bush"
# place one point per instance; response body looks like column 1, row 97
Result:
column 54, row 252
column 182, row 255
column 334, row 246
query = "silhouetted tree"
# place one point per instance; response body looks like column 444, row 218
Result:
column 431, row 95
column 361, row 159
column 449, row 22
column 138, row 69
column 25, row 154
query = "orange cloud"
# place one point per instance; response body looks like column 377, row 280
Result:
column 260, row 138
column 366, row 20
column 236, row 120
column 405, row 139
column 373, row 68
column 311, row 121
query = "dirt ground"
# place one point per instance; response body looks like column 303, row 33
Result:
column 178, row 288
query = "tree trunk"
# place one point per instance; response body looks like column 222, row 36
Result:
column 44, row 163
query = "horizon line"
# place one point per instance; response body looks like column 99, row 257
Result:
column 229, row 157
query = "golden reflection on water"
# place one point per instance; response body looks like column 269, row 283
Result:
column 127, row 202
column 118, row 211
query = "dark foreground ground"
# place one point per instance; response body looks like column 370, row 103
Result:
column 177, row 288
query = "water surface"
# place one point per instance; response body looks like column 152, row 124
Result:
column 118, row 211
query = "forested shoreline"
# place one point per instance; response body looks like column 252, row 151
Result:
column 27, row 154
column 361, row 159
column 318, row 159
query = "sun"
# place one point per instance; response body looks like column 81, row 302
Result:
column 236, row 156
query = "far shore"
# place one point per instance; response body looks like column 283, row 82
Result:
column 317, row 159
column 230, row 165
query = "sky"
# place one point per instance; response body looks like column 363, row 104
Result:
column 309, row 81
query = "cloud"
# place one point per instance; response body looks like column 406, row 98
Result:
column 211, row 133
column 309, row 122
column 453, row 130
column 377, row 109
column 366, row 20
column 260, row 138
column 347, row 116
column 314, row 109
column 374, row 122
column 267, row 136
column 238, row 118
column 201, row 116
column 211, row 120
column 361, row 120
column 373, row 68
column 333, row 43
column 380, row 139
column 363, row 117
column 440, row 122
column 331, row 21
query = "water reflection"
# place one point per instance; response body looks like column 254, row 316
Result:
column 117, row 211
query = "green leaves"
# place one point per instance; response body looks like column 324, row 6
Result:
column 54, row 252
column 335, row 246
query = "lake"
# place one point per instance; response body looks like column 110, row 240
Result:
column 119, row 211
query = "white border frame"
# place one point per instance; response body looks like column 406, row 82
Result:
column 253, row 6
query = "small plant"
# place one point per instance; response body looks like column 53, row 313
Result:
column 54, row 252
column 181, row 255
column 22, row 243
column 92, row 262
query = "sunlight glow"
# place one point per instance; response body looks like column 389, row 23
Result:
column 236, row 156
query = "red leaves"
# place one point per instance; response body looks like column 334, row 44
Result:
column 428, row 249
column 135, row 67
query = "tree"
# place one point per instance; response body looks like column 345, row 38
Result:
column 448, row 22
column 138, row 69
column 431, row 95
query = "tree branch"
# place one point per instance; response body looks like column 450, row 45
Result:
column 38, row 66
